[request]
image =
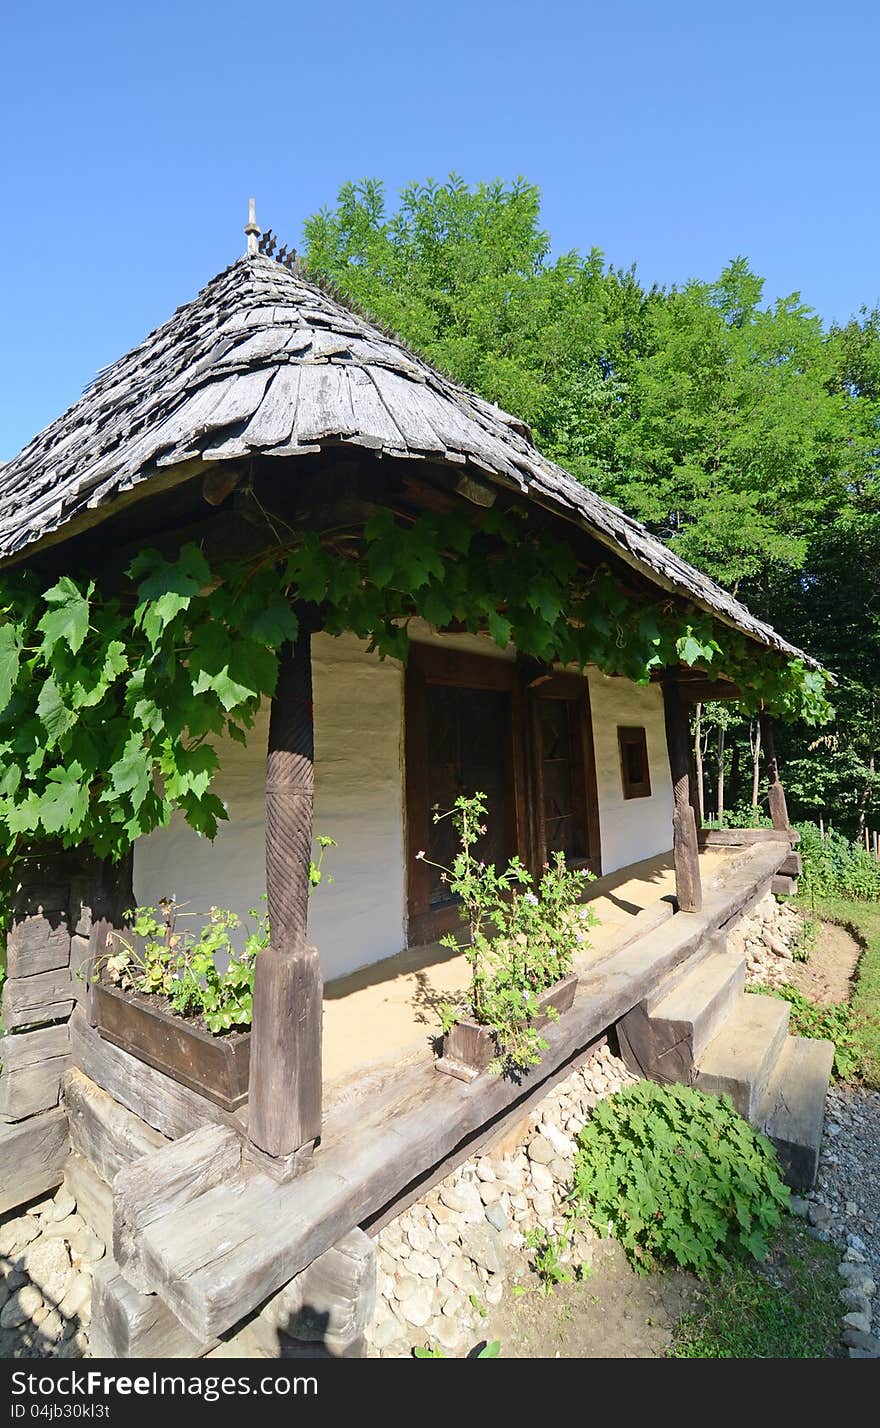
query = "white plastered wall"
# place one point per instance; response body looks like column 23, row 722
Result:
column 360, row 917
column 631, row 828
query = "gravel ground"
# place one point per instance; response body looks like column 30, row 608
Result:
column 849, row 1184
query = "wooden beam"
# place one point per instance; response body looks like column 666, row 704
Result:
column 684, row 826
column 33, row 1062
column 284, row 1100
column 102, row 1131
column 32, row 1156
column 161, row 1181
column 778, row 806
column 700, row 691
column 165, row 1104
column 129, row 1325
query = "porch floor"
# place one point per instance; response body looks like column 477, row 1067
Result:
column 390, row 1010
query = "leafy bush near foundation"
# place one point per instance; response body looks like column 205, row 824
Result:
column 674, row 1174
column 836, row 867
column 522, row 936
column 833, row 1022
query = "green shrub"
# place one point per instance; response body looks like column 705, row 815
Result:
column 835, row 1022
column 836, row 867
column 674, row 1174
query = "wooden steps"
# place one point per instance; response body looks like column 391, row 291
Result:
column 740, row 1060
column 699, row 1027
column 793, row 1111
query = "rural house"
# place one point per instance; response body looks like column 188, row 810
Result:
column 264, row 422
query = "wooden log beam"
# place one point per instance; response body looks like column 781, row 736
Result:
column 32, row 1156
column 93, row 1196
column 29, row 1001
column 162, row 1181
column 165, row 1104
column 129, row 1325
column 101, row 1130
column 684, row 826
column 778, row 806
column 33, row 1063
column 284, row 1100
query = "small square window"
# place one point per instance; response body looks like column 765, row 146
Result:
column 634, row 768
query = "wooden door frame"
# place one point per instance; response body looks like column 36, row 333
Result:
column 427, row 665
column 575, row 689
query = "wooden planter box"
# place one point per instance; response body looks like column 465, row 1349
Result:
column 469, row 1048
column 215, row 1066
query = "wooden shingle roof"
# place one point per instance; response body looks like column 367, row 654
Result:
column 264, row 362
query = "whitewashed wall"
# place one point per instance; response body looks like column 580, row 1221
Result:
column 361, row 917
column 631, row 828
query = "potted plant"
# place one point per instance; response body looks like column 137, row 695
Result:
column 182, row 1000
column 521, row 943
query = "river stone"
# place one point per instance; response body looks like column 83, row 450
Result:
column 64, row 1205
column 385, row 1330
column 490, row 1191
column 47, row 1263
column 405, row 1285
column 66, row 1228
column 560, row 1142
column 424, row 1265
column 77, row 1297
column 481, row 1244
column 21, row 1307
column 416, row 1309
column 820, row 1216
column 485, row 1170
column 854, row 1300
column 463, row 1277
column 858, row 1339
column 453, row 1199
column 421, row 1238
column 447, row 1333
column 52, row 1327
column 497, row 1216
column 542, row 1178
column 18, row 1233
column 448, row 1234
column 540, row 1150
column 858, row 1321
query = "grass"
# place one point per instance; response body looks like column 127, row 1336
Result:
column 785, row 1308
column 863, row 920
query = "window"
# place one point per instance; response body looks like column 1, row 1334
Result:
column 634, row 768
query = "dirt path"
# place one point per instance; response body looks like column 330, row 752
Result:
column 826, row 975
column 612, row 1314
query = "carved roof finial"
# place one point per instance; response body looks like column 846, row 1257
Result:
column 252, row 231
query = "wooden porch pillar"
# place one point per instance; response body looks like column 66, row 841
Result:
column 778, row 806
column 284, row 1098
column 684, row 825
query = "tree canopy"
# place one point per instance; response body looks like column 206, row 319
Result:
column 745, row 433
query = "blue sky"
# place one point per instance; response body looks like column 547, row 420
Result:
column 673, row 135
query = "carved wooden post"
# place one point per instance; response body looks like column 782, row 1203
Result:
column 778, row 806
column 284, row 1102
column 684, row 826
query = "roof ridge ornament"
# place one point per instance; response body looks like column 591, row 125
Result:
column 251, row 229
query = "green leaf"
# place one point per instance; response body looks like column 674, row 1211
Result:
column 68, row 620
column 10, row 660
column 57, row 719
column 500, row 629
column 131, row 774
column 65, row 802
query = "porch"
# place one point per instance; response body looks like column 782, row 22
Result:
column 389, row 1011
column 204, row 1237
